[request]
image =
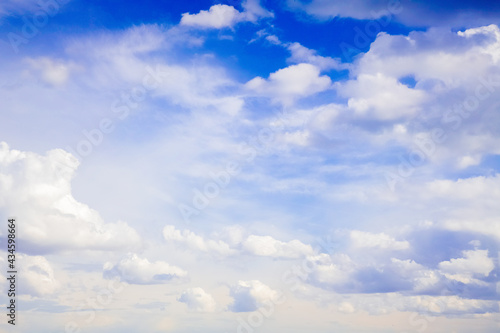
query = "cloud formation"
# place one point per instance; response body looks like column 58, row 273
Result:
column 135, row 270
column 198, row 300
column 39, row 189
column 265, row 246
column 224, row 16
column 251, row 295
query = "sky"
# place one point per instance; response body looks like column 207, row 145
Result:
column 251, row 166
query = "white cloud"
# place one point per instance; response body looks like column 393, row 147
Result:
column 253, row 10
column 381, row 240
column 411, row 83
column 473, row 202
column 381, row 97
column 251, row 295
column 474, row 263
column 346, row 307
column 301, row 54
column 136, row 270
column 331, row 270
column 36, row 275
column 196, row 242
column 431, row 56
column 222, row 16
column 172, row 130
column 466, row 189
column 198, row 300
column 54, row 72
column 467, row 161
column 38, row 189
column 218, row 16
column 290, row 83
column 423, row 279
column 269, row 247
column 265, row 246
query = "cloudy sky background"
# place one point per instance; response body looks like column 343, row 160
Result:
column 273, row 166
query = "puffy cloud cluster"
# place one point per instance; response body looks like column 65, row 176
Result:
column 362, row 270
column 135, row 270
column 406, row 93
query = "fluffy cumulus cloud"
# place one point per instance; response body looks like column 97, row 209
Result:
column 406, row 91
column 290, row 83
column 222, row 16
column 38, row 189
column 218, row 16
column 251, row 295
column 198, row 300
column 474, row 263
column 136, row 270
column 414, row 271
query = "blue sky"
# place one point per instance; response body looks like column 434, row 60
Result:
column 252, row 166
